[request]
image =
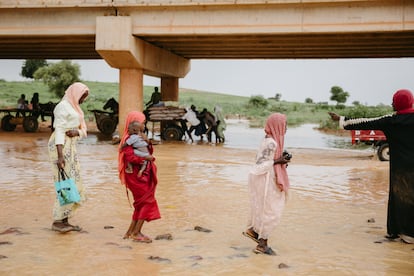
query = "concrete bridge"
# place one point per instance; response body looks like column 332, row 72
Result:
column 160, row 37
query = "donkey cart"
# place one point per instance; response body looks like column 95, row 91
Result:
column 106, row 121
column 16, row 117
column 170, row 119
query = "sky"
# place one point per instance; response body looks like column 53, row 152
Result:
column 368, row 81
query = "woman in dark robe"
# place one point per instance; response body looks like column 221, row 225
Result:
column 142, row 186
column 399, row 130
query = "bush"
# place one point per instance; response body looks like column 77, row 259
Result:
column 258, row 101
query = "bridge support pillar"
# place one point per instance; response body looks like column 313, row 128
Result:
column 130, row 94
column 134, row 57
column 169, row 89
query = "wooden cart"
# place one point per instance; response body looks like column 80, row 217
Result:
column 15, row 116
column 106, row 121
column 170, row 119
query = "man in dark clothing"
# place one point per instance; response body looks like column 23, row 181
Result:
column 36, row 107
column 399, row 130
column 210, row 121
column 155, row 98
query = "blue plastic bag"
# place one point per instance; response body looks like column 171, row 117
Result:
column 66, row 190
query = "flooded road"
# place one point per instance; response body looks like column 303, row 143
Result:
column 240, row 135
column 333, row 223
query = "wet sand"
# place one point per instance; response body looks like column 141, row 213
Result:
column 333, row 224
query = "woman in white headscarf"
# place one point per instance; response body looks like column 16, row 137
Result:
column 69, row 126
column 268, row 184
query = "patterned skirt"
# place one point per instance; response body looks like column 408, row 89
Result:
column 72, row 169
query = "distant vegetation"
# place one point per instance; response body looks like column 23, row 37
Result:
column 255, row 108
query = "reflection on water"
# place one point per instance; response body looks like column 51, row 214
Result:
column 332, row 183
column 240, row 135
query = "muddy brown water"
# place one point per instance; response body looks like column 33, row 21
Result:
column 333, row 224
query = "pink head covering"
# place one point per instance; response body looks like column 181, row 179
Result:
column 131, row 117
column 73, row 94
column 276, row 127
column 403, row 101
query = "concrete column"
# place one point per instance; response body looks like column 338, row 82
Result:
column 131, row 95
column 169, row 89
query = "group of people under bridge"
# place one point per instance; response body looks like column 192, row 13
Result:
column 202, row 123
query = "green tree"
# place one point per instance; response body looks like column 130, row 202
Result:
column 338, row 95
column 258, row 101
column 30, row 66
column 58, row 76
column 308, row 100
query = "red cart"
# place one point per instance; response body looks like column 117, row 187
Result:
column 376, row 138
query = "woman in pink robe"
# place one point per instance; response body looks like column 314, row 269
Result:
column 268, row 184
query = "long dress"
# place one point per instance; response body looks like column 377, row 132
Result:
column 267, row 201
column 221, row 126
column 399, row 130
column 142, row 188
column 66, row 118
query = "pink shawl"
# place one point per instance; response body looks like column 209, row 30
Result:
column 73, row 94
column 131, row 117
column 276, row 127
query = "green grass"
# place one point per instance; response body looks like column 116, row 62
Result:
column 232, row 106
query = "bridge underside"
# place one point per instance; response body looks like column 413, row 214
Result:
column 264, row 46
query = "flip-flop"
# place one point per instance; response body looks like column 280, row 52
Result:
column 143, row 239
column 64, row 229
column 267, row 251
column 250, row 236
column 76, row 228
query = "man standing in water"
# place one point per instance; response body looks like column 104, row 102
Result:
column 399, row 130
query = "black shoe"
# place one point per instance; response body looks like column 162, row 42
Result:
column 392, row 236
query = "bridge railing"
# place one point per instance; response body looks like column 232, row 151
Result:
column 126, row 3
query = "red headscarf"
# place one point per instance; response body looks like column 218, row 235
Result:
column 131, row 117
column 403, row 101
column 276, row 127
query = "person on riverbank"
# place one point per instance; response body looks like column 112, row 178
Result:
column 36, row 110
column 69, row 126
column 268, row 184
column 21, row 104
column 399, row 130
column 142, row 187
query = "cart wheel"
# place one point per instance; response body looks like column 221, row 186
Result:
column 107, row 125
column 30, row 124
column 172, row 132
column 384, row 152
column 6, row 125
